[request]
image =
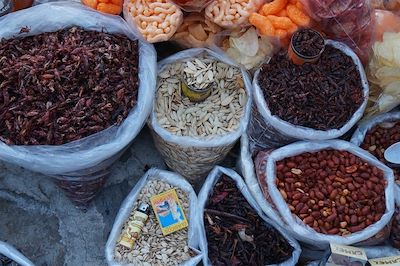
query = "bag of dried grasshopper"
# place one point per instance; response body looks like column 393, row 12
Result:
column 78, row 111
column 202, row 107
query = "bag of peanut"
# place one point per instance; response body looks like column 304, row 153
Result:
column 377, row 134
column 9, row 254
column 152, row 247
column 191, row 136
column 335, row 203
column 297, row 103
column 225, row 202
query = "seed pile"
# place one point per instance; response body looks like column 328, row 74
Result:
column 152, row 247
column 322, row 96
column 332, row 191
column 236, row 235
column 219, row 114
column 381, row 137
column 62, row 86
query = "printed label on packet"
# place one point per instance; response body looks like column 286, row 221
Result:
column 169, row 212
column 392, row 261
column 346, row 255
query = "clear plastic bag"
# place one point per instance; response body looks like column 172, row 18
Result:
column 194, row 236
column 88, row 159
column 347, row 21
column 194, row 157
column 384, row 74
column 13, row 254
column 204, row 193
column 192, row 5
column 276, row 208
column 268, row 131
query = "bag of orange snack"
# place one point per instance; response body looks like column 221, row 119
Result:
column 113, row 7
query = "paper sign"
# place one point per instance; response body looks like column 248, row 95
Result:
column 169, row 212
column 392, row 261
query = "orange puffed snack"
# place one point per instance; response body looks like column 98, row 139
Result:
column 280, row 18
column 113, row 7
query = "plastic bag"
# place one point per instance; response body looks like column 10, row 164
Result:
column 192, row 5
column 384, row 75
column 267, row 130
column 380, row 252
column 13, row 254
column 347, row 21
column 395, row 233
column 81, row 166
column 194, row 157
column 244, row 46
column 386, row 21
column 207, row 188
column 173, row 179
column 110, row 7
column 220, row 12
column 156, row 21
column 196, row 31
column 363, row 128
column 393, row 5
column 276, row 208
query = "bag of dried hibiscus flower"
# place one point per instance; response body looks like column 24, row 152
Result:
column 234, row 229
column 75, row 90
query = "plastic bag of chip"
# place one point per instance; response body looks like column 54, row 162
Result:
column 384, row 75
column 196, row 31
column 245, row 46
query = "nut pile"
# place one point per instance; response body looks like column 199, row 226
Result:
column 62, row 86
column 332, row 191
column 381, row 137
column 152, row 247
column 219, row 114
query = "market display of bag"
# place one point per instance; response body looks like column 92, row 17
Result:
column 211, row 195
column 377, row 134
column 12, row 256
column 395, row 233
column 156, row 181
column 270, row 131
column 272, row 201
column 198, row 147
column 80, row 167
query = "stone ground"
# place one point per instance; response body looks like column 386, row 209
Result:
column 38, row 219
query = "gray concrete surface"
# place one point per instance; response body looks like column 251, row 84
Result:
column 37, row 218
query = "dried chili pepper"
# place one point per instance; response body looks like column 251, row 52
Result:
column 236, row 235
column 62, row 86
